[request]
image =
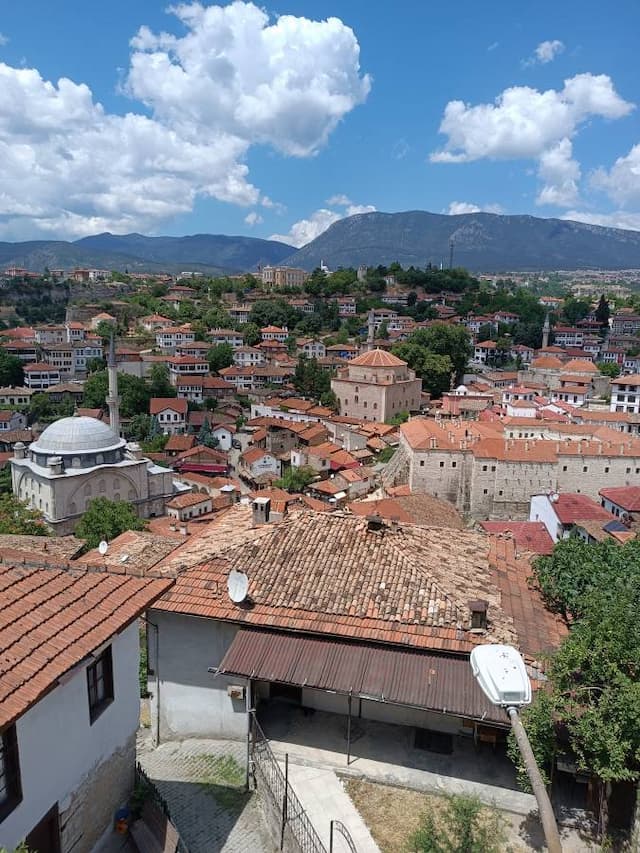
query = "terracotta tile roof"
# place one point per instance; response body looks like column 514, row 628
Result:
column 253, row 454
column 424, row 510
column 633, row 379
column 329, row 574
column 228, row 529
column 547, row 362
column 53, row 619
column 56, row 549
column 628, row 497
column 180, row 442
column 576, row 507
column 529, row 536
column 159, row 404
column 580, row 365
column 202, row 450
column 187, row 499
column 142, row 549
column 378, row 358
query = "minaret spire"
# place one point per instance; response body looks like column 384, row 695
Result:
column 113, row 401
column 545, row 331
column 371, row 328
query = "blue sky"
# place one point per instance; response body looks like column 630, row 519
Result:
column 242, row 122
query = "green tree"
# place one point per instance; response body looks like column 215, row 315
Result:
column 610, row 369
column 296, row 479
column 575, row 309
column 5, row 480
column 105, row 328
column 593, row 690
column 434, row 370
column 603, row 312
column 105, row 519
column 11, row 372
column 310, row 379
column 134, row 393
column 140, row 427
column 383, row 331
column 95, row 364
column 445, row 340
column 17, row 518
column 219, row 357
column 251, row 334
column 463, row 825
column 40, row 407
column 159, row 384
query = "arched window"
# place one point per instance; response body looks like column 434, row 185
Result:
column 87, row 489
column 102, row 488
column 100, row 459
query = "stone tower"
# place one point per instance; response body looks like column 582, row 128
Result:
column 113, row 401
column 371, row 331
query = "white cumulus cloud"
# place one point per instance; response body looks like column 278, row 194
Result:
column 458, row 207
column 253, row 218
column 524, row 122
column 286, row 83
column 617, row 219
column 622, row 181
column 560, row 174
column 305, row 230
column 235, row 79
column 545, row 52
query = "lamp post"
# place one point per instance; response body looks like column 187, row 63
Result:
column 502, row 676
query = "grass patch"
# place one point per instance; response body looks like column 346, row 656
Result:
column 393, row 815
column 223, row 779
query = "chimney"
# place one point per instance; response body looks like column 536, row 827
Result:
column 56, row 464
column 20, row 450
column 183, row 530
column 478, row 608
column 375, row 523
column 433, row 443
column 261, row 511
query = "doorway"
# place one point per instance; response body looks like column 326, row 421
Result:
column 45, row 836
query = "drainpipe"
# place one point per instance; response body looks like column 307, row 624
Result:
column 156, row 670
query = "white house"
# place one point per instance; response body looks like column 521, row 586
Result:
column 68, row 726
column 625, row 394
column 560, row 513
column 12, row 420
column 258, row 464
column 171, row 413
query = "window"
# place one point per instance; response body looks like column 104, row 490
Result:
column 100, row 684
column 422, row 463
column 606, row 470
column 485, row 491
column 484, row 467
column 564, row 467
column 493, row 468
column 10, row 787
column 442, row 464
column 584, row 469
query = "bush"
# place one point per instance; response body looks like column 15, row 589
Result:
column 464, row 825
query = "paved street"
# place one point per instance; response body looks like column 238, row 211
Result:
column 202, row 782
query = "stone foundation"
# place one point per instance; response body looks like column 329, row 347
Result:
column 90, row 811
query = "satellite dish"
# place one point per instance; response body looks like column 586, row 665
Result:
column 103, row 547
column 124, row 558
column 237, row 586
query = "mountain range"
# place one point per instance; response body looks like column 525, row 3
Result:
column 481, row 242
column 484, row 242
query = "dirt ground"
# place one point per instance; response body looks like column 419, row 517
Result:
column 393, row 814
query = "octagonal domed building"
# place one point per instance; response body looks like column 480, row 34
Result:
column 77, row 459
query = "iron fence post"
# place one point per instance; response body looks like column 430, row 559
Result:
column 331, row 837
column 284, row 798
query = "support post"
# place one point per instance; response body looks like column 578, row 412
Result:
column 284, row 798
column 349, row 732
column 547, row 817
column 249, row 734
column 331, row 837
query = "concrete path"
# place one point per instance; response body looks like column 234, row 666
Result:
column 324, row 799
column 202, row 783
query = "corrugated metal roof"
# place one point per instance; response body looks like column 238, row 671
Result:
column 429, row 681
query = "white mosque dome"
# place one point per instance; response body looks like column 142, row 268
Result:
column 77, row 435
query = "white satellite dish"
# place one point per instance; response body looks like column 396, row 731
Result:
column 103, row 547
column 237, row 586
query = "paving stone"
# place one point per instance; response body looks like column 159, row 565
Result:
column 198, row 779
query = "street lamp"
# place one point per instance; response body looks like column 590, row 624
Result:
column 502, row 676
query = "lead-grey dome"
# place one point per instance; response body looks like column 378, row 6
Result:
column 77, row 435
